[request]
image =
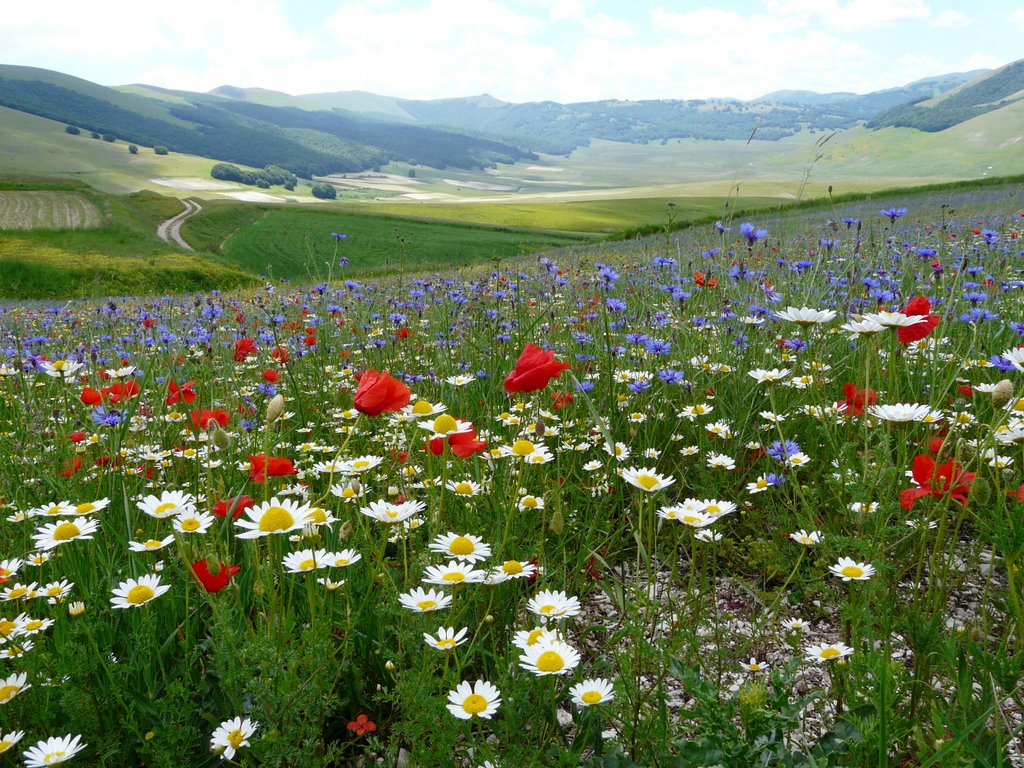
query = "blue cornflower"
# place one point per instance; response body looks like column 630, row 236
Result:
column 338, row 236
column 671, row 376
column 615, row 305
column 849, row 222
column 658, row 346
column 893, row 213
column 781, row 450
column 638, row 386
column 751, row 233
column 720, row 227
column 105, row 418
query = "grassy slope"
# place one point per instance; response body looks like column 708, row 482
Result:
column 297, row 242
column 121, row 256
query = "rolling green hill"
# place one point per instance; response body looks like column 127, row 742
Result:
column 305, row 142
column 991, row 92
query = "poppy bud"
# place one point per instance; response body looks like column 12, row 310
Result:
column 275, row 408
column 1002, row 393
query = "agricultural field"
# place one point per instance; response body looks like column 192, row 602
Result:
column 46, row 210
column 745, row 494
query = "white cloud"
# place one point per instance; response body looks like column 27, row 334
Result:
column 851, row 15
column 951, row 18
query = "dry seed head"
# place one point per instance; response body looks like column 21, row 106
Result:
column 275, row 408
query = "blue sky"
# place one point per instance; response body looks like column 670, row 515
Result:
column 521, row 50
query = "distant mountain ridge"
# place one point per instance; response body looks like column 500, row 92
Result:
column 322, row 133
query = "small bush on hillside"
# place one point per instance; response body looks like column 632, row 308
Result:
column 324, row 191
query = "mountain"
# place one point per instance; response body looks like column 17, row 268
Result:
column 318, row 134
column 307, row 142
column 991, row 91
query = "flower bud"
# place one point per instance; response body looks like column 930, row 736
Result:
column 1002, row 393
column 275, row 408
column 76, row 609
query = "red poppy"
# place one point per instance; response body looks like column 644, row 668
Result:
column 937, row 481
column 462, row 444
column 236, row 505
column 243, row 348
column 264, row 466
column 203, row 416
column 402, row 333
column 280, row 354
column 362, row 724
column 378, row 392
column 271, row 375
column 856, row 399
column 918, row 306
column 213, row 582
column 699, row 279
column 72, row 466
column 126, row 390
column 534, row 369
column 560, row 400
column 176, row 392
column 77, row 436
column 91, row 396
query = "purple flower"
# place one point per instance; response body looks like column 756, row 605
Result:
column 751, row 233
column 893, row 213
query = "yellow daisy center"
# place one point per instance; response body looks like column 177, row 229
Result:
column 235, row 738
column 446, row 643
column 522, row 448
column 422, row 407
column 33, row 625
column 17, row 592
column 54, row 510
column 85, row 508
column 153, row 544
column 461, row 545
column 530, row 502
column 829, row 653
column 307, row 565
column 852, row 571
column 647, row 482
column 591, row 697
column 474, row 704
column 713, row 509
column 444, row 424
column 59, row 365
column 426, row 605
column 546, row 609
column 190, row 524
column 454, row 576
column 348, row 493
column 342, row 561
column 6, row 627
column 8, row 692
column 65, row 532
column 512, row 567
column 5, row 745
column 360, row 464
column 464, row 488
column 164, row 508
column 550, row 661
column 140, row 594
column 534, row 636
column 276, row 519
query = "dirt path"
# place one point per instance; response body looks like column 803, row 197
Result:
column 170, row 230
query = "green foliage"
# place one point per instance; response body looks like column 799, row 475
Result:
column 132, row 149
column 324, row 191
column 160, row 150
column 71, row 129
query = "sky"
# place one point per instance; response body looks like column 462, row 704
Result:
column 514, row 50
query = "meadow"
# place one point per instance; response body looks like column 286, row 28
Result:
column 744, row 494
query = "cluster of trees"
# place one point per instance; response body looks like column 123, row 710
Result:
column 270, row 176
column 74, row 130
column 324, row 191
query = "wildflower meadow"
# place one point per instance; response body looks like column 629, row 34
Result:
column 746, row 495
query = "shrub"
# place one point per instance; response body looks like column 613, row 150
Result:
column 160, row 150
column 324, row 191
column 133, row 149
column 73, row 130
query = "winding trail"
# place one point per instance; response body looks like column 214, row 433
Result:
column 170, row 230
